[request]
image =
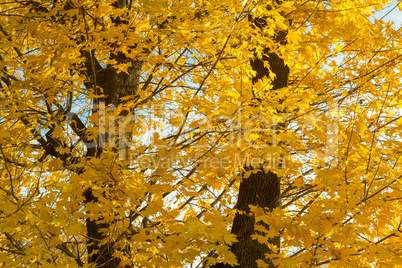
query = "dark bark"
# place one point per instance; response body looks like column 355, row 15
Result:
column 115, row 86
column 262, row 188
column 100, row 255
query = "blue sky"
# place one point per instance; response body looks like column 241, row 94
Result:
column 392, row 13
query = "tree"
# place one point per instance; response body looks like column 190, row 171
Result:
column 213, row 133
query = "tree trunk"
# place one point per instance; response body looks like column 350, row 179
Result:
column 115, row 86
column 262, row 188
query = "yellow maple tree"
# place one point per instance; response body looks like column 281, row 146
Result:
column 199, row 133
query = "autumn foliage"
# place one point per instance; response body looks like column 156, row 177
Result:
column 128, row 129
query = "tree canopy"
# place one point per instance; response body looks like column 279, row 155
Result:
column 199, row 134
